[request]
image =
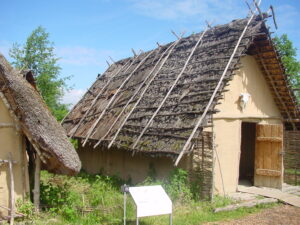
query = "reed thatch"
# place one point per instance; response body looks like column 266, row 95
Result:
column 175, row 121
column 36, row 121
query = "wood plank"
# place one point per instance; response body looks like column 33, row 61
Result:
column 269, row 139
column 268, row 157
column 272, row 193
column 268, row 172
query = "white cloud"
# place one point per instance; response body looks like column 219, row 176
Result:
column 187, row 9
column 82, row 56
column 72, row 97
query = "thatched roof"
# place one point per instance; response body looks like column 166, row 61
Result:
column 176, row 119
column 36, row 122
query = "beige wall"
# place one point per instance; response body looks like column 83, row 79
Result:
column 11, row 141
column 123, row 164
column 261, row 108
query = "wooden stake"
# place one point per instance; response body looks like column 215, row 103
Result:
column 134, row 53
column 36, row 191
column 112, row 59
column 171, row 89
column 73, row 131
column 132, row 97
column 258, row 9
column 171, row 47
column 274, row 19
column 199, row 122
column 12, row 189
column 113, row 98
column 175, row 34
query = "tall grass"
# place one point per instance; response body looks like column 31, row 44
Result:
column 97, row 199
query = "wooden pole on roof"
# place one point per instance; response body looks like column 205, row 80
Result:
column 113, row 98
column 170, row 90
column 274, row 19
column 73, row 131
column 135, row 94
column 112, row 59
column 200, row 119
column 177, row 36
column 171, row 47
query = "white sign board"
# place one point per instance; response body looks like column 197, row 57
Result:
column 151, row 200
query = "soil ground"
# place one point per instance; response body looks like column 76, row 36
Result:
column 279, row 215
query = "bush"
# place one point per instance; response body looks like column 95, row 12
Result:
column 26, row 207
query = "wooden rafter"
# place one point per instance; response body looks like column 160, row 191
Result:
column 133, row 96
column 73, row 131
column 143, row 92
column 113, row 98
column 201, row 118
column 170, row 90
column 283, row 103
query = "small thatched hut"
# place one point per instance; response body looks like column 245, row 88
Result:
column 30, row 138
column 213, row 103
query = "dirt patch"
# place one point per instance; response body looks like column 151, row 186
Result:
column 280, row 215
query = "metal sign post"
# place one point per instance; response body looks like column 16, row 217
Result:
column 125, row 189
column 149, row 201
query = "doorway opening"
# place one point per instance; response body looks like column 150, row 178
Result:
column 247, row 159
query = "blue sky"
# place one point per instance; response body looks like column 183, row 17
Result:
column 87, row 32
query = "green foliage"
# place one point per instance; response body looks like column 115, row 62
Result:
column 37, row 54
column 97, row 199
column 176, row 185
column 26, row 207
column 288, row 55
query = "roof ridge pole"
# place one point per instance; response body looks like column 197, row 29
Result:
column 135, row 93
column 96, row 98
column 113, row 98
column 143, row 92
column 171, row 89
column 186, row 145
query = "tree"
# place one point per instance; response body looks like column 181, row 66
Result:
column 288, row 56
column 37, row 54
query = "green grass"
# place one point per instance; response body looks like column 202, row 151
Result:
column 87, row 199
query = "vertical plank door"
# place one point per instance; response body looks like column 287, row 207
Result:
column 268, row 156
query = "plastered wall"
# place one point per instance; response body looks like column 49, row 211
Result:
column 12, row 141
column 260, row 108
column 121, row 163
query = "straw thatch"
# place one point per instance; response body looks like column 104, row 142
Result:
column 175, row 121
column 36, row 122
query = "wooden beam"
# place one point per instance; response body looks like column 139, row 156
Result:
column 172, row 46
column 113, row 98
column 36, row 190
column 171, row 89
column 200, row 120
column 12, row 189
column 73, row 131
column 132, row 97
column 7, row 125
column 275, row 91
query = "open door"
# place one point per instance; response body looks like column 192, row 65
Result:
column 268, row 156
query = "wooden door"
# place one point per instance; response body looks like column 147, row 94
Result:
column 268, row 156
